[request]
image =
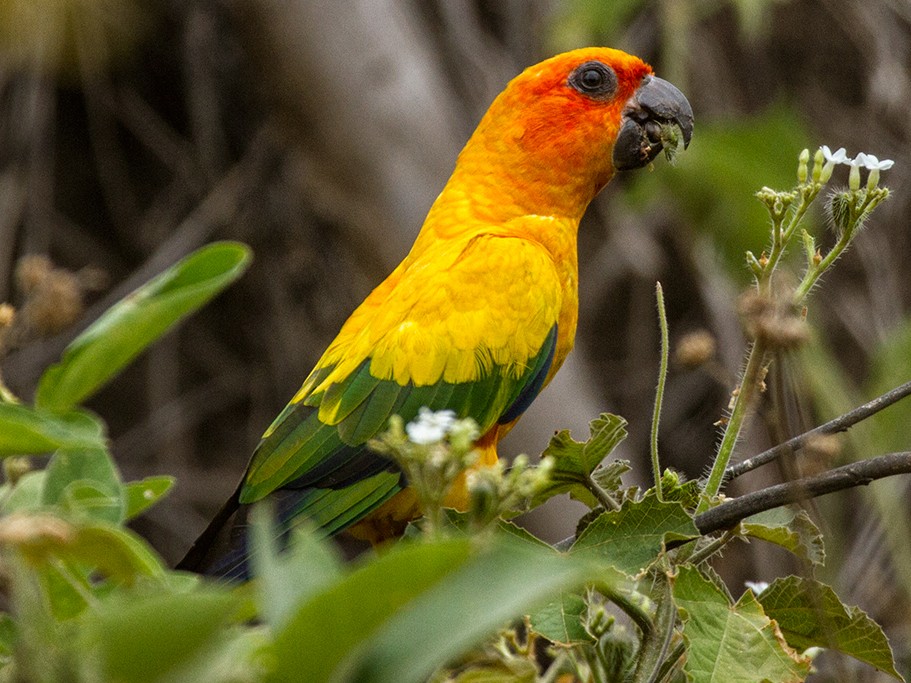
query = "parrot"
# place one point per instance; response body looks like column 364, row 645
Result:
column 475, row 320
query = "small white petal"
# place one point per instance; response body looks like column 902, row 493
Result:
column 858, row 161
column 886, row 164
column 837, row 157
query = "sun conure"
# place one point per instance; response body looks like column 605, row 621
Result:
column 480, row 314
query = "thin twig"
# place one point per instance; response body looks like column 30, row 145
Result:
column 848, row 476
column 839, row 424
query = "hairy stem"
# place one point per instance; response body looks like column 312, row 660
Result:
column 604, row 498
column 746, row 390
column 659, row 390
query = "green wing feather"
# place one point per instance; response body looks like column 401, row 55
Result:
column 339, row 480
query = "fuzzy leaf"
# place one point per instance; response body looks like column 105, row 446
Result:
column 791, row 529
column 810, row 614
column 632, row 537
column 561, row 620
column 574, row 461
column 731, row 643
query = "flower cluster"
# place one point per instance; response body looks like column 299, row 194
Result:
column 867, row 161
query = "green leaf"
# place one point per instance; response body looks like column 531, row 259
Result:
column 502, row 583
column 85, row 480
column 113, row 551
column 341, row 616
column 25, row 494
column 132, row 324
column 731, row 643
column 810, row 614
column 631, row 538
column 285, row 580
column 561, row 621
column 574, row 461
column 143, row 639
column 791, row 529
column 143, row 494
column 25, row 430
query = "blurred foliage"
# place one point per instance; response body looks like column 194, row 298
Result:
column 134, row 130
column 714, row 183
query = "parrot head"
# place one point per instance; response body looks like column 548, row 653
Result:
column 563, row 127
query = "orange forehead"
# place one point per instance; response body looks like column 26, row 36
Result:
column 552, row 74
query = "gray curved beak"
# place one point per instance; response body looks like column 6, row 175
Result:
column 655, row 105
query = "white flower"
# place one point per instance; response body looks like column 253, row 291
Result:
column 756, row 586
column 874, row 164
column 839, row 156
column 822, row 173
column 858, row 161
column 430, row 427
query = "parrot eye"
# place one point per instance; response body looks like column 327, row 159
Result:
column 594, row 79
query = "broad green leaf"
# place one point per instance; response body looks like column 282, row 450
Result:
column 810, row 614
column 25, row 430
column 574, row 461
column 116, row 552
column 343, row 615
column 143, row 639
column 132, row 324
column 791, row 529
column 143, row 494
column 632, row 537
column 502, row 583
column 731, row 643
column 285, row 580
column 87, row 480
column 561, row 620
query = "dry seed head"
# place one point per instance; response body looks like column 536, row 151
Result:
column 31, row 272
column 55, row 304
column 695, row 348
column 773, row 320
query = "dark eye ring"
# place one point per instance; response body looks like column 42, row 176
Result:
column 594, row 79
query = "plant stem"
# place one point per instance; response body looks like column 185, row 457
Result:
column 839, row 424
column 745, row 392
column 847, row 476
column 607, row 500
column 707, row 551
column 636, row 606
column 659, row 390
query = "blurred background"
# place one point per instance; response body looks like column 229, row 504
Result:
column 319, row 133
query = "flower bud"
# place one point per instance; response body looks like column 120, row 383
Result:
column 802, row 162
